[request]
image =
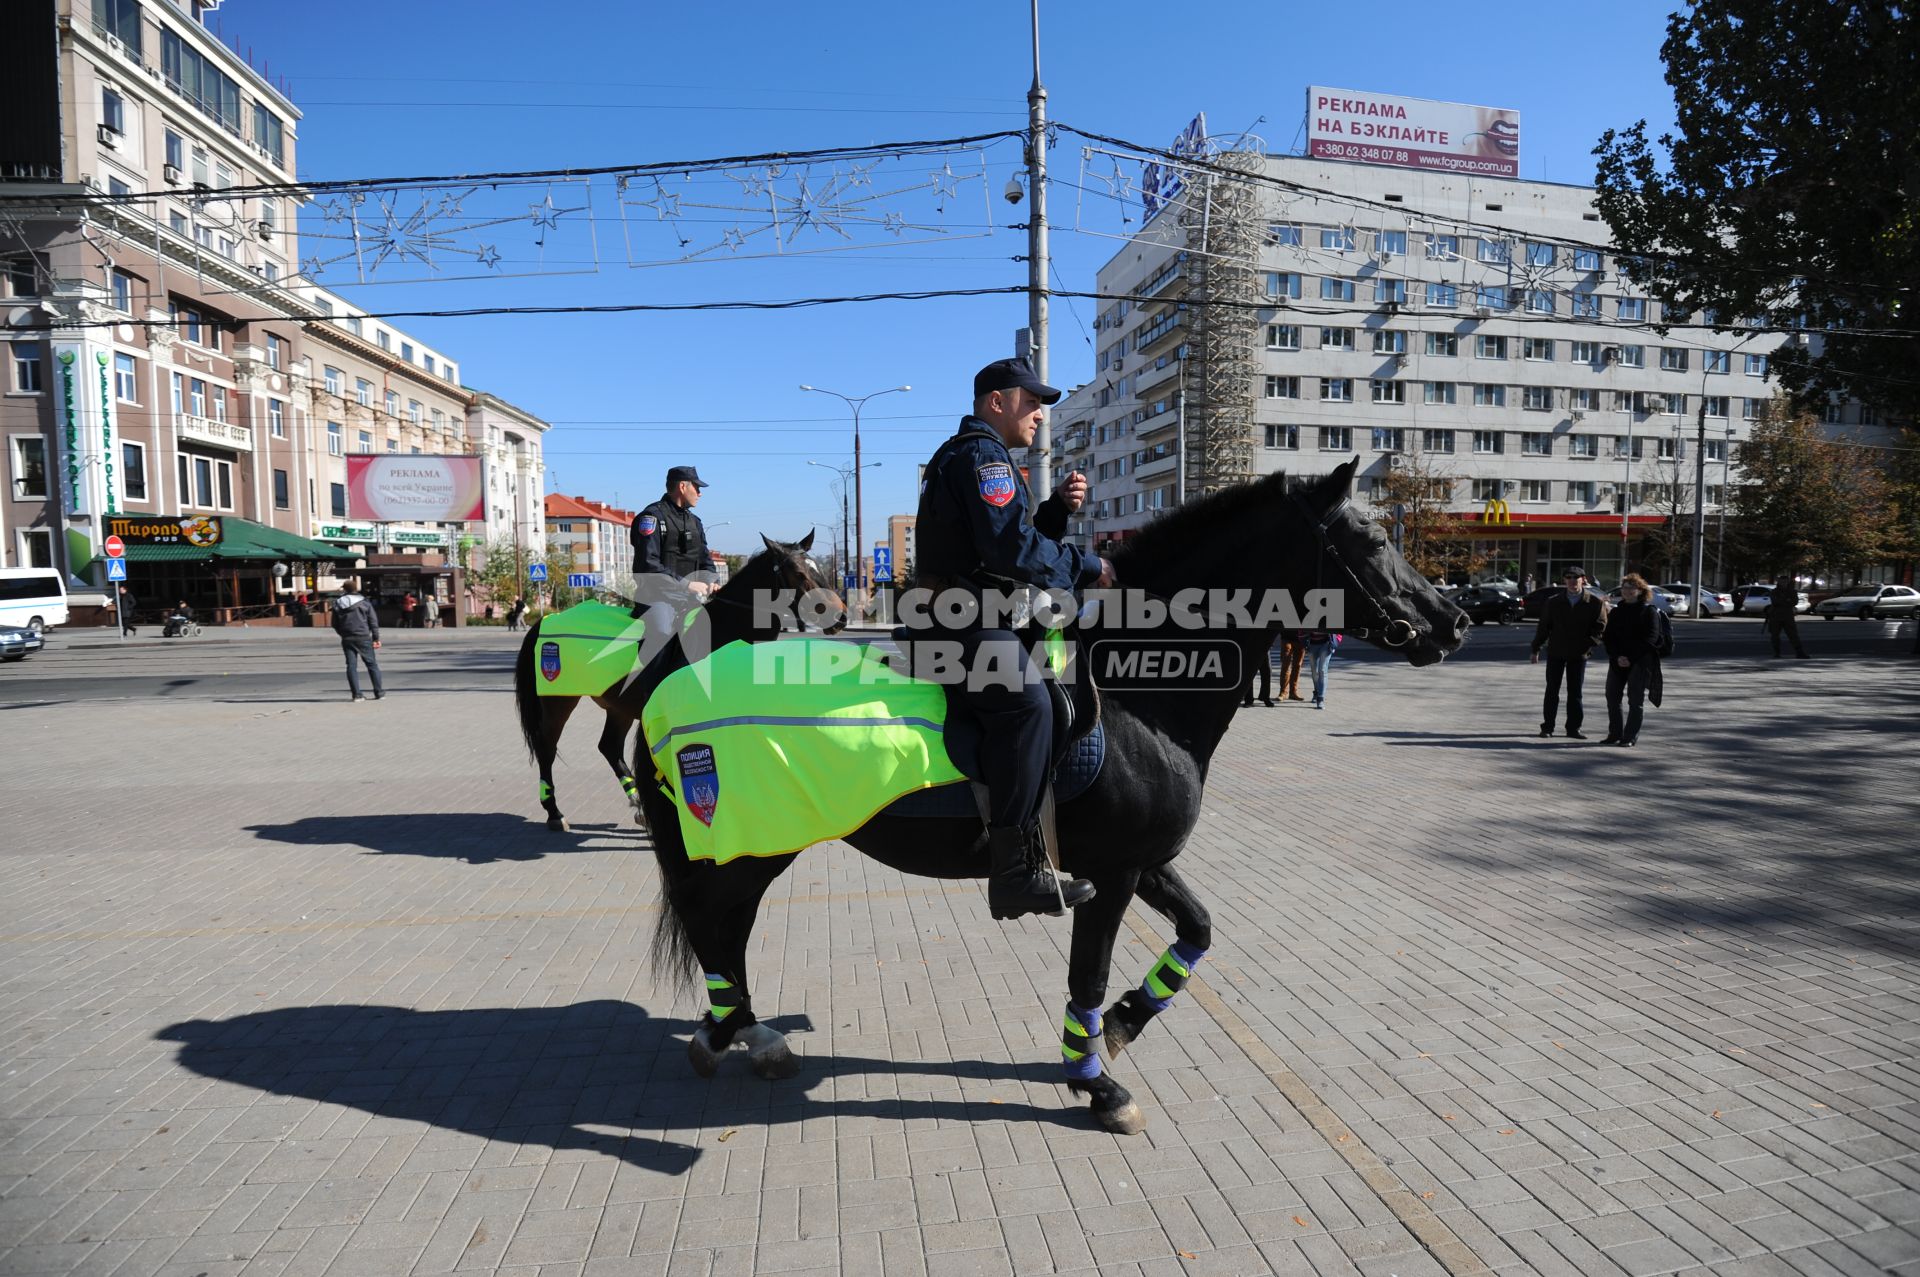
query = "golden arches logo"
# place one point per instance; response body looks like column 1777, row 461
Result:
column 1496, row 511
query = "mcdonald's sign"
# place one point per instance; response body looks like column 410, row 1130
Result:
column 1496, row 511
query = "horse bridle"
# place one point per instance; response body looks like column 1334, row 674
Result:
column 1394, row 631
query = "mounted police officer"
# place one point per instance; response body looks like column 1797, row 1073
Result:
column 669, row 549
column 976, row 540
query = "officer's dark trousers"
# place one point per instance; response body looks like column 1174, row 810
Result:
column 1574, row 669
column 1633, row 682
column 1016, row 718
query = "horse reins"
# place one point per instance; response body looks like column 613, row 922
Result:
column 1395, row 632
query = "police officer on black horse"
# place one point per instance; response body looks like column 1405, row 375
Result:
column 974, row 536
column 669, row 548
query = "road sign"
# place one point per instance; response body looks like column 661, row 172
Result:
column 115, row 547
column 536, row 571
column 116, row 569
column 852, row 581
column 583, row 580
column 882, row 563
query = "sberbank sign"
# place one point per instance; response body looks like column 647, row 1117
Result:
column 417, row 538
column 345, row 532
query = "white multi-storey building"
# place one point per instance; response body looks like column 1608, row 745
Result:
column 1477, row 325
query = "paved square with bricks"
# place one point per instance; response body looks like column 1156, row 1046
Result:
column 292, row 986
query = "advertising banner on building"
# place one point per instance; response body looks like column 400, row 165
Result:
column 389, row 488
column 198, row 530
column 1380, row 128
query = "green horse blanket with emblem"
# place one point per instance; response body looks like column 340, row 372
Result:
column 768, row 748
column 586, row 649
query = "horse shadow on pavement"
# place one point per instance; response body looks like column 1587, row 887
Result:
column 479, row 838
column 603, row 1076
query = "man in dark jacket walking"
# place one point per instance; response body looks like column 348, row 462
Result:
column 359, row 630
column 1780, row 614
column 1570, row 624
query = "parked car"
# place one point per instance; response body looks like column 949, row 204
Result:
column 1483, row 603
column 1664, row 600
column 17, row 641
column 1754, row 599
column 1712, row 602
column 1868, row 602
column 33, row 597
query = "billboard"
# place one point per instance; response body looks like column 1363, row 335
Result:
column 390, row 488
column 1380, row 128
column 202, row 530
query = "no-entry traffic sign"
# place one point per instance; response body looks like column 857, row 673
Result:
column 115, row 547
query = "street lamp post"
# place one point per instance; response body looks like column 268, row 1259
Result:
column 857, row 402
column 848, row 478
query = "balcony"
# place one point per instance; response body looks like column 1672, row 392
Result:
column 220, row 434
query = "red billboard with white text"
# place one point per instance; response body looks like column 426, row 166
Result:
column 1380, row 128
column 389, row 488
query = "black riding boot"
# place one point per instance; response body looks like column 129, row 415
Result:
column 1018, row 886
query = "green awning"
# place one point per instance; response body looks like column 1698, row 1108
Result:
column 243, row 539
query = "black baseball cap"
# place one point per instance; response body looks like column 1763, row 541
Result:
column 1574, row 571
column 1009, row 374
column 684, row 474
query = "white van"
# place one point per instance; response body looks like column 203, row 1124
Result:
column 33, row 598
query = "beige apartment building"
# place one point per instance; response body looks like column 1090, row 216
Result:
column 163, row 360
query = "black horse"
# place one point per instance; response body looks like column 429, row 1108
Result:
column 1123, row 832
column 728, row 615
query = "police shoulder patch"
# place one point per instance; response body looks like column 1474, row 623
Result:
column 699, row 781
column 996, row 482
column 648, row 525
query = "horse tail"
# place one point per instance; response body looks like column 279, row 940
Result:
column 670, row 954
column 526, row 695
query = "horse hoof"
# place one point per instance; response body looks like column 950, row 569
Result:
column 1127, row 1119
column 1116, row 1037
column 704, row 1059
column 558, row 824
column 775, row 1063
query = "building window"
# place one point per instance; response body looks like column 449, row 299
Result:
column 1336, row 339
column 21, row 280
column 1580, row 492
column 281, row 499
column 1540, row 254
column 1633, row 356
column 197, row 78
column 364, row 440
column 1673, row 405
column 1336, row 290
column 1587, row 259
column 1336, row 389
column 1756, row 365
column 1284, row 235
column 363, row 392
column 1445, row 345
column 133, row 471
column 353, row 325
column 1586, row 352
column 126, row 382
column 276, row 352
column 1539, row 301
column 1490, row 296
column 391, row 402
column 1441, row 392
column 1283, row 336
column 1336, row 438
column 1537, row 349
column 1584, row 447
column 1536, row 443
column 336, row 381
column 1832, row 413
column 1389, row 391
column 29, row 466
column 1586, row 306
column 1632, row 309
column 196, row 397
column 1716, row 360
column 1485, row 396
column 122, row 284
column 121, row 20
column 1436, row 441
column 1585, row 399
column 1443, row 248
column 1716, row 450
column 1393, row 243
column 1537, row 398
column 1670, row 450
column 269, row 134
column 1442, row 296
column 337, row 493
column 1283, row 388
column 1485, row 347
column 1283, row 284
column 113, row 111
column 393, row 445
column 1338, row 239
column 277, row 418
column 1716, row 405
column 1389, row 341
column 1486, row 489
column 1750, row 409
column 334, row 434
column 1673, row 359
column 1390, row 292
column 1489, row 442
column 1389, row 439
column 406, row 351
column 413, row 411
column 190, row 324
column 1497, row 251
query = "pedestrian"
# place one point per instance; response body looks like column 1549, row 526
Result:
column 302, row 612
column 1321, row 645
column 432, row 606
column 1293, row 654
column 355, row 621
column 515, row 613
column 1526, row 585
column 1571, row 623
column 1633, row 659
column 1263, row 671
column 1782, row 614
column 407, row 607
column 124, row 605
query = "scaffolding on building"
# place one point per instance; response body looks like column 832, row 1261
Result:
column 1221, row 367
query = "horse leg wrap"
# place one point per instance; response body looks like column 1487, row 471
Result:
column 1079, row 1055
column 546, row 792
column 1169, row 975
column 729, row 1013
column 630, row 789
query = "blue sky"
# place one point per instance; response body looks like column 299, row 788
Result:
column 438, row 86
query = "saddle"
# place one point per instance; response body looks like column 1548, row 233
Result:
column 1079, row 748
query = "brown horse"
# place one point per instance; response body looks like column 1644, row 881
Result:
column 781, row 568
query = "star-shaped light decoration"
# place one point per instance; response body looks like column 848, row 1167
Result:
column 488, row 256
column 732, row 238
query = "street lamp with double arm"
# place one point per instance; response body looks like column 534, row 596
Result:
column 857, row 402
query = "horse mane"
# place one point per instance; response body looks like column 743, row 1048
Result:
column 1195, row 526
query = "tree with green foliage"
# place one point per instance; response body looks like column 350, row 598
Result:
column 1789, row 194
column 1414, row 495
column 1807, row 500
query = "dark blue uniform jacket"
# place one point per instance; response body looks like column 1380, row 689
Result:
column 974, row 529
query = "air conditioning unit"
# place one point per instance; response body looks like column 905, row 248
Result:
column 1610, row 355
column 171, row 174
column 265, row 232
column 1482, row 312
column 1579, row 415
column 1606, row 491
column 1399, row 361
column 1383, row 257
column 1394, row 461
column 1509, row 485
column 109, row 137
column 1656, row 404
